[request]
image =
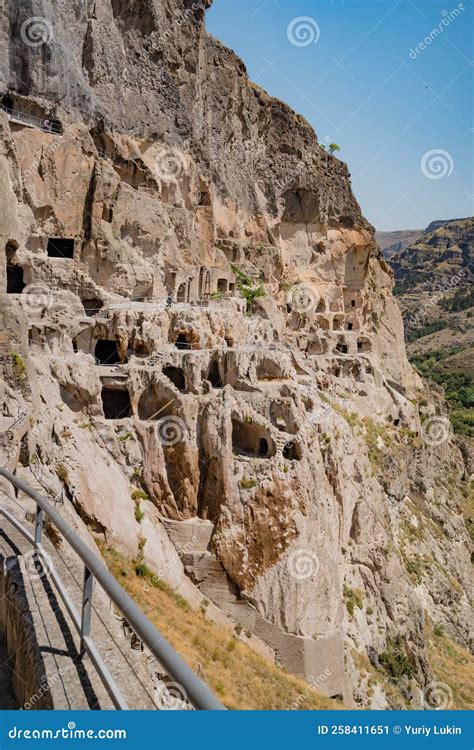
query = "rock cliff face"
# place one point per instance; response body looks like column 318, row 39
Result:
column 201, row 345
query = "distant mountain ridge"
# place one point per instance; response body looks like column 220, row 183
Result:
column 392, row 242
column 434, row 287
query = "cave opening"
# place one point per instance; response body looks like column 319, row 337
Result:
column 181, row 293
column 342, row 348
column 106, row 352
column 56, row 127
column 176, row 375
column 363, row 345
column 247, row 440
column 263, row 448
column 222, row 286
column 60, row 248
column 214, row 376
column 15, row 283
column 116, row 403
column 92, row 306
column 182, row 342
column 292, row 452
column 7, row 103
column 155, row 404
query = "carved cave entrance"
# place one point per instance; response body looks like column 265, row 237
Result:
column 92, row 306
column 116, row 403
column 15, row 283
column 106, row 352
column 183, row 342
column 60, row 248
column 247, row 440
column 292, row 452
column 214, row 376
column 176, row 375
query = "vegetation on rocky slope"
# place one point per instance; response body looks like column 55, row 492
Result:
column 241, row 678
column 433, row 282
column 458, row 387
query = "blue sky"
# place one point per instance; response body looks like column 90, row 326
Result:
column 402, row 115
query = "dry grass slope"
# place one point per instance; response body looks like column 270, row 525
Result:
column 238, row 676
column 453, row 666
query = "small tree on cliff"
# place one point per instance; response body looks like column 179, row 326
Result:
column 247, row 287
column 333, row 147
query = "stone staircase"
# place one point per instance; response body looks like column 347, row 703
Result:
column 305, row 657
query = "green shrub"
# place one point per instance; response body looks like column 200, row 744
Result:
column 139, row 495
column 18, row 366
column 419, row 333
column 247, row 287
column 139, row 514
column 247, row 484
column 395, row 660
column 462, row 300
column 62, row 473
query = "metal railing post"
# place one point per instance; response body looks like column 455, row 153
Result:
column 86, row 615
column 198, row 693
column 39, row 521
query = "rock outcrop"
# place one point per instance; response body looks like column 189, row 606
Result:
column 200, row 332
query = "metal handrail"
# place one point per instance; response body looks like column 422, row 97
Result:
column 32, row 120
column 197, row 692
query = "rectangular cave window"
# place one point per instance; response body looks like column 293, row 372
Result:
column 343, row 348
column 222, row 285
column 350, row 326
column 106, row 352
column 15, row 283
column 92, row 306
column 7, row 103
column 60, row 248
column 353, row 303
column 116, row 403
column 214, row 376
column 182, row 342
